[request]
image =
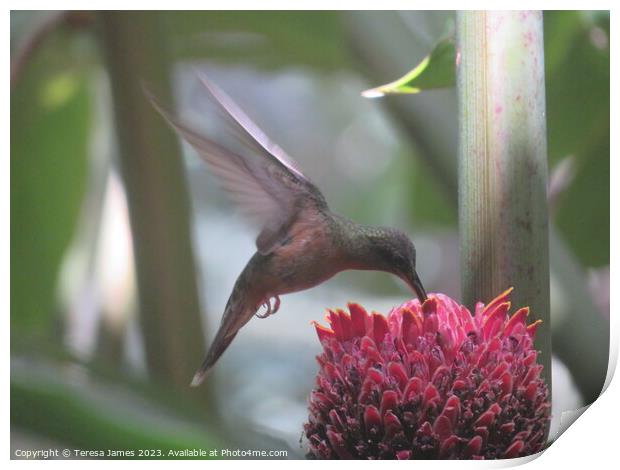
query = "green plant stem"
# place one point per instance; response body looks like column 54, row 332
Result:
column 152, row 169
column 503, row 215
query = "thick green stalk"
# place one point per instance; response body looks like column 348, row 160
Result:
column 503, row 216
column 157, row 198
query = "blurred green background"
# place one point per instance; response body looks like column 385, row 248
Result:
column 97, row 365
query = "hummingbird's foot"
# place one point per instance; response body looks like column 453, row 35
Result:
column 270, row 310
column 267, row 313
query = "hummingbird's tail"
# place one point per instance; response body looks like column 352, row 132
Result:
column 239, row 310
column 219, row 345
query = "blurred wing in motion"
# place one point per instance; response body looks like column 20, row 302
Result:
column 263, row 180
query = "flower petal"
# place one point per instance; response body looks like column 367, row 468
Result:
column 358, row 319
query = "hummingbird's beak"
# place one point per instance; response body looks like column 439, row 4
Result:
column 416, row 285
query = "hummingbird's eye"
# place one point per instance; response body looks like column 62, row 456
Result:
column 400, row 261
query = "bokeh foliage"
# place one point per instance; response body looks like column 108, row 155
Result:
column 577, row 70
column 50, row 127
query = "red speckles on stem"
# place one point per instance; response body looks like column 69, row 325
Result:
column 529, row 38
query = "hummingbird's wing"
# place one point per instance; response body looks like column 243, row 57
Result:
column 265, row 182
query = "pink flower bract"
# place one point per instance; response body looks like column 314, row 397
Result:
column 430, row 381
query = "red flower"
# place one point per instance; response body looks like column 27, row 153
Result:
column 429, row 381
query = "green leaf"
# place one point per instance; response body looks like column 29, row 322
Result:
column 437, row 70
column 50, row 126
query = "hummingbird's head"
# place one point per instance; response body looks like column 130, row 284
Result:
column 394, row 252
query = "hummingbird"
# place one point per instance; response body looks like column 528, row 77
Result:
column 301, row 242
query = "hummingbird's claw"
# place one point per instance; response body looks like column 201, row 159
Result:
column 270, row 310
